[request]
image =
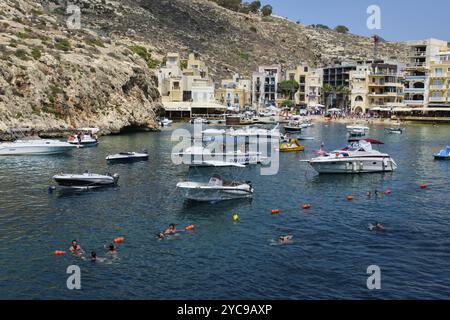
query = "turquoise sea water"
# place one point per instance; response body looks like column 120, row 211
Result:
column 221, row 259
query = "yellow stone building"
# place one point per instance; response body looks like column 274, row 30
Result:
column 376, row 86
column 439, row 92
column 235, row 92
column 310, row 81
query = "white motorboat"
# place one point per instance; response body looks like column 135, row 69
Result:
column 128, row 156
column 34, row 147
column 86, row 180
column 86, row 137
column 251, row 133
column 200, row 121
column 165, row 122
column 293, row 126
column 358, row 128
column 216, row 189
column 357, row 132
column 198, row 156
column 357, row 157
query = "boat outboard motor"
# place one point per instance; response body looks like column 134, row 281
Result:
column 116, row 178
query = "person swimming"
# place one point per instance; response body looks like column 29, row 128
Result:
column 378, row 193
column 377, row 226
column 369, row 194
column 285, row 239
column 171, row 231
column 93, row 256
column 161, row 235
column 75, row 248
column 112, row 249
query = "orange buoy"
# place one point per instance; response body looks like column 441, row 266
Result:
column 423, row 186
column 190, row 228
column 387, row 192
column 350, row 198
column 275, row 211
column 59, row 252
column 306, row 206
column 119, row 240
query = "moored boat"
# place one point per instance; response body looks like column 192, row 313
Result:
column 357, row 157
column 292, row 146
column 443, row 154
column 34, row 147
column 128, row 156
column 85, row 137
column 216, row 189
column 86, row 180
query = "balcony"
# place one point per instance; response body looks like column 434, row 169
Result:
column 414, row 90
column 416, row 78
column 438, row 75
column 414, row 102
column 437, row 99
column 438, row 87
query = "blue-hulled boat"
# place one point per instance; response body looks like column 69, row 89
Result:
column 443, row 154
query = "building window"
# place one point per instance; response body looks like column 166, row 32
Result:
column 438, row 71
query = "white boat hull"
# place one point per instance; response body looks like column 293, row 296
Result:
column 196, row 192
column 34, row 148
column 364, row 165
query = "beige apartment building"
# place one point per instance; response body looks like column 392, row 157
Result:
column 310, row 82
column 235, row 92
column 376, row 86
column 439, row 92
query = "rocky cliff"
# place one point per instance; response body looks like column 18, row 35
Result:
column 54, row 78
column 227, row 40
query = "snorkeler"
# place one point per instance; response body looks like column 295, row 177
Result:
column 75, row 248
column 172, row 230
column 285, row 239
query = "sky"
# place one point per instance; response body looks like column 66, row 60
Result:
column 401, row 20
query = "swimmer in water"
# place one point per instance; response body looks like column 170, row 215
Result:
column 172, row 230
column 161, row 236
column 369, row 195
column 285, row 239
column 111, row 249
column 75, row 248
column 377, row 226
column 378, row 193
column 93, row 256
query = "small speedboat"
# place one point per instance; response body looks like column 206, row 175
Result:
column 357, row 157
column 216, row 189
column 293, row 127
column 394, row 130
column 357, row 130
column 164, row 122
column 34, row 147
column 293, row 146
column 443, row 154
column 128, row 156
column 86, row 137
column 86, row 180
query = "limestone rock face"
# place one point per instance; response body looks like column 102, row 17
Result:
column 53, row 79
column 228, row 41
